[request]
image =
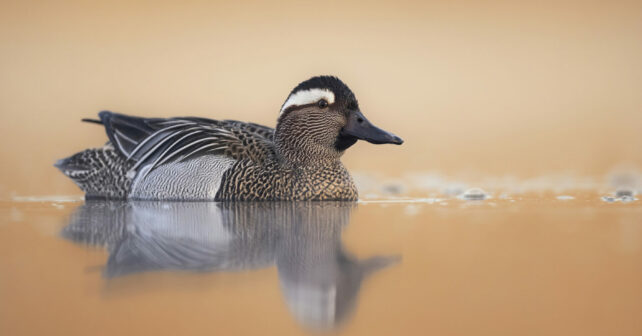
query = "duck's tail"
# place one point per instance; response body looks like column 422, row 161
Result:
column 99, row 172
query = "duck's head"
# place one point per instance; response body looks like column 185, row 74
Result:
column 321, row 118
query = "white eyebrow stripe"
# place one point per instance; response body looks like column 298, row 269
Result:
column 305, row 97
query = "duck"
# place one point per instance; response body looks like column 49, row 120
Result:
column 201, row 159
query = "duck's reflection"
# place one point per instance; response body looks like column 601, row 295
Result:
column 319, row 279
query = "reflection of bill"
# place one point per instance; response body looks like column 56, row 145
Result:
column 319, row 279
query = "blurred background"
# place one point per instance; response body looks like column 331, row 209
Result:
column 495, row 88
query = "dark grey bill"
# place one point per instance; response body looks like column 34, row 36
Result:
column 359, row 127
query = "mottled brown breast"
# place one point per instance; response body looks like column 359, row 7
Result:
column 249, row 181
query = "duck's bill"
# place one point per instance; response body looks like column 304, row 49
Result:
column 359, row 127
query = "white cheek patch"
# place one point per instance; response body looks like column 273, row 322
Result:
column 308, row 97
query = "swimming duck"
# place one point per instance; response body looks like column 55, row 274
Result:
column 190, row 158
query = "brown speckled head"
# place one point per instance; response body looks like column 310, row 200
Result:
column 320, row 119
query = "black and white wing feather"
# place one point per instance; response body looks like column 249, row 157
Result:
column 156, row 141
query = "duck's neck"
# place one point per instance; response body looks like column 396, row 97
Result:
column 299, row 150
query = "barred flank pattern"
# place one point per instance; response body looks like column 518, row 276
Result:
column 99, row 172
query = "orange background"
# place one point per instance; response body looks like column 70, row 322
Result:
column 490, row 87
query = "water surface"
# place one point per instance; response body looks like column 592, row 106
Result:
column 526, row 265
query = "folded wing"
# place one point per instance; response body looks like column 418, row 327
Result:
column 156, row 141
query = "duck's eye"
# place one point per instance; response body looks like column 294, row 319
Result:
column 322, row 103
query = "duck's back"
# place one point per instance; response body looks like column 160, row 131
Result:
column 166, row 159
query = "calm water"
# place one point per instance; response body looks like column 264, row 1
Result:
column 517, row 90
column 529, row 265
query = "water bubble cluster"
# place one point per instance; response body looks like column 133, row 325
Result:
column 621, row 195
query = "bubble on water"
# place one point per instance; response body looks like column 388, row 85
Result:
column 623, row 199
column 565, row 197
column 627, row 199
column 624, row 193
column 609, row 199
column 474, row 194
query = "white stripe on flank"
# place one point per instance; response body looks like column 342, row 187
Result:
column 305, row 97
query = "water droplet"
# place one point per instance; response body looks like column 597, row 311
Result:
column 474, row 194
column 621, row 195
column 627, row 199
column 624, row 193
